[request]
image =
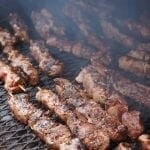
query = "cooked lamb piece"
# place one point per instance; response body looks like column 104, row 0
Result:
column 19, row 27
column 91, row 110
column 47, row 24
column 124, row 146
column 46, row 61
column 6, row 38
column 132, row 121
column 13, row 82
column 51, row 132
column 138, row 67
column 82, row 22
column 113, row 33
column 92, row 137
column 18, row 60
column 144, row 139
column 142, row 55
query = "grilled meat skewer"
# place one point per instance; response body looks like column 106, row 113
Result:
column 13, row 82
column 78, row 124
column 97, row 83
column 54, row 134
column 47, row 63
column 18, row 60
column 138, row 67
column 37, row 48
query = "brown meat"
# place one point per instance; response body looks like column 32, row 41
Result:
column 86, row 132
column 91, row 110
column 142, row 55
column 19, row 60
column 51, row 132
column 93, row 82
column 131, row 120
column 134, row 90
column 46, row 24
column 46, row 61
column 138, row 28
column 144, row 46
column 38, row 49
column 6, row 38
column 124, row 146
column 19, row 27
column 82, row 22
column 138, row 67
column 113, row 33
column 12, row 80
column 144, row 139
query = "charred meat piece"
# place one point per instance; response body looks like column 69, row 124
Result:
column 19, row 27
column 142, row 55
column 138, row 67
column 78, row 124
column 46, row 23
column 51, row 132
column 132, row 121
column 46, row 61
column 91, row 110
column 6, row 38
column 82, row 22
column 144, row 139
column 113, row 33
column 13, row 82
column 19, row 60
column 134, row 90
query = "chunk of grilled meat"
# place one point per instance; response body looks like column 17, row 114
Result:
column 19, row 27
column 91, row 110
column 144, row 46
column 78, row 124
column 81, row 20
column 12, row 80
column 18, row 60
column 132, row 121
column 6, row 38
column 46, row 23
column 138, row 67
column 51, row 132
column 95, row 82
column 142, row 55
column 46, row 61
column 113, row 33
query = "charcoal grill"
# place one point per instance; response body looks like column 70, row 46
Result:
column 13, row 134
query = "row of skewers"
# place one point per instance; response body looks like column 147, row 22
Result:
column 94, row 116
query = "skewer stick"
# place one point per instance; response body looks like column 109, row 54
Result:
column 10, row 94
column 39, row 88
column 22, row 88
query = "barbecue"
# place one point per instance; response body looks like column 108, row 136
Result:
column 74, row 75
